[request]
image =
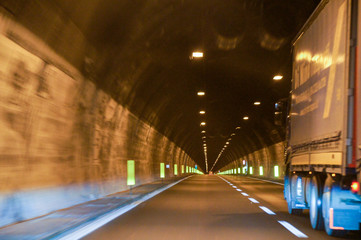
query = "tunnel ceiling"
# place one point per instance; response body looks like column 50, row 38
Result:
column 142, row 58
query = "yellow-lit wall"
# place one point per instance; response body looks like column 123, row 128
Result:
column 64, row 141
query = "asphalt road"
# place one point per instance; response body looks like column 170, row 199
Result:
column 208, row 207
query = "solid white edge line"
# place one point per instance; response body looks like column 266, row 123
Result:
column 245, row 194
column 92, row 226
column 293, row 230
column 263, row 180
column 253, row 200
column 267, row 210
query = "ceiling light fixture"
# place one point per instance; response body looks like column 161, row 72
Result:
column 202, row 112
column 245, row 118
column 277, row 77
column 203, row 123
column 197, row 54
column 201, row 93
column 257, row 103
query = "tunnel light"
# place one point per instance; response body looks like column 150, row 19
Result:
column 130, row 172
column 237, row 128
column 277, row 77
column 201, row 93
column 204, row 144
column 182, row 169
column 276, row 169
column 203, row 123
column 261, row 171
column 233, row 134
column 239, row 170
column 202, row 112
column 197, row 54
column 251, row 170
column 203, row 131
column 257, row 103
column 162, row 170
column 245, row 118
column 227, row 143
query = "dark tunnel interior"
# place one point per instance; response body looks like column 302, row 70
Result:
column 139, row 52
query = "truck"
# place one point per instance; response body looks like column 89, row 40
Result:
column 323, row 119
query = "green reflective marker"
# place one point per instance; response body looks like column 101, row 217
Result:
column 250, row 170
column 276, row 171
column 175, row 169
column 131, row 172
column 261, row 171
column 182, row 169
column 162, row 170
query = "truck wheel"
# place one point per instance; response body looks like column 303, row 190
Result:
column 316, row 218
column 288, row 193
column 326, row 203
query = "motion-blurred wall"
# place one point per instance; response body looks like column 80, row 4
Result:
column 63, row 141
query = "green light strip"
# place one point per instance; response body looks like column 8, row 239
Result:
column 277, row 174
column 182, row 169
column 131, row 172
column 162, row 170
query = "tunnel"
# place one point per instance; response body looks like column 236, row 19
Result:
column 104, row 97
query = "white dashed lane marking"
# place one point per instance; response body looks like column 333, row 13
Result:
column 285, row 224
column 267, row 210
column 253, row 200
column 293, row 230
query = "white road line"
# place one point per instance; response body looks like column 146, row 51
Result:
column 263, row 180
column 293, row 230
column 267, row 210
column 234, row 186
column 245, row 194
column 239, row 190
column 94, row 225
column 253, row 200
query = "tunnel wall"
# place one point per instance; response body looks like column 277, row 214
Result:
column 63, row 141
column 267, row 157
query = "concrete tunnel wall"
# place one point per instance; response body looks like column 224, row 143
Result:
column 64, row 141
column 267, row 158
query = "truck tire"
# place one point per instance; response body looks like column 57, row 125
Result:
column 288, row 193
column 316, row 189
column 326, row 201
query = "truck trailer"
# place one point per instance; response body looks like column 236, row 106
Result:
column 323, row 142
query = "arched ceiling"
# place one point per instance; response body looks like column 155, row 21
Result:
column 142, row 58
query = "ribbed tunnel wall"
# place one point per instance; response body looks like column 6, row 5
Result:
column 267, row 158
column 63, row 140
